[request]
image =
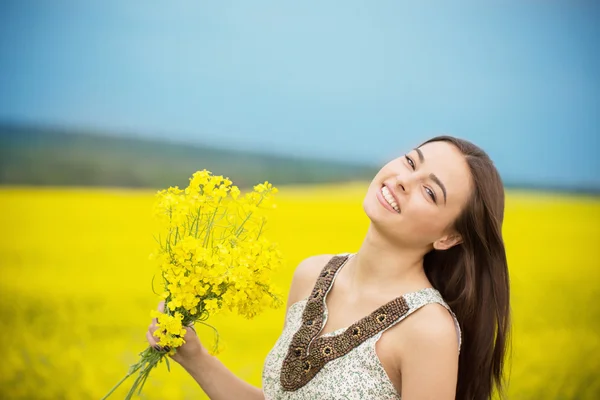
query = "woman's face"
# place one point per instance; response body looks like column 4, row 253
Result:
column 427, row 188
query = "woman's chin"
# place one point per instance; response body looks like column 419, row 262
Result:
column 377, row 213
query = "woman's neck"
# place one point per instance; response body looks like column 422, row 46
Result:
column 381, row 264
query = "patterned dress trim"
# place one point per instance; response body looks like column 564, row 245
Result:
column 308, row 354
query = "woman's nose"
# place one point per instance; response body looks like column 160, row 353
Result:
column 404, row 182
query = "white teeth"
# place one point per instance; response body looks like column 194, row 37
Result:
column 389, row 198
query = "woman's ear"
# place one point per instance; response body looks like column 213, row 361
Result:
column 448, row 241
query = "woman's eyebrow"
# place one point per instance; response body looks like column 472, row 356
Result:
column 436, row 180
column 433, row 177
column 420, row 153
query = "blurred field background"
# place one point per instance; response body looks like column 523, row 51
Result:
column 76, row 289
column 102, row 103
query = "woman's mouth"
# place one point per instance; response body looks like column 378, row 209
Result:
column 386, row 198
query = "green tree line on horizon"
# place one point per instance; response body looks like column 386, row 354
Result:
column 53, row 157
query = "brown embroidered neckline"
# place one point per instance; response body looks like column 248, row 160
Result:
column 308, row 353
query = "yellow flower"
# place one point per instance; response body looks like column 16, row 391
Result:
column 235, row 192
column 170, row 330
column 197, row 181
column 263, row 187
column 213, row 254
column 211, row 306
column 221, row 191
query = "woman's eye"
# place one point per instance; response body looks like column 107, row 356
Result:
column 431, row 194
column 410, row 162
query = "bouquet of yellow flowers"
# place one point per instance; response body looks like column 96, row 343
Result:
column 212, row 256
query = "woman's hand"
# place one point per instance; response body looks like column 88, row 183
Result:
column 192, row 349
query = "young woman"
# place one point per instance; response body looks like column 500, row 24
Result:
column 421, row 311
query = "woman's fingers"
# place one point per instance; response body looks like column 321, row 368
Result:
column 188, row 333
column 151, row 340
column 161, row 308
column 153, row 327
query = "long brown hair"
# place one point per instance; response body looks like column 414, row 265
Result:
column 473, row 278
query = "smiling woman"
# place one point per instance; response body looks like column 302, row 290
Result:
column 433, row 258
column 441, row 205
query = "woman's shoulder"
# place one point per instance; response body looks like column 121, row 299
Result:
column 430, row 327
column 423, row 344
column 431, row 321
column 305, row 276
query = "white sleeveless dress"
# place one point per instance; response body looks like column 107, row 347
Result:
column 341, row 364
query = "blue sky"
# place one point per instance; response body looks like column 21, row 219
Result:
column 352, row 80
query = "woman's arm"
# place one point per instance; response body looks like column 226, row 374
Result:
column 428, row 355
column 217, row 381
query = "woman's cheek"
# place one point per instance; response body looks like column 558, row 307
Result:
column 429, row 221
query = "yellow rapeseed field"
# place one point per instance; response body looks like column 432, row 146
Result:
column 76, row 289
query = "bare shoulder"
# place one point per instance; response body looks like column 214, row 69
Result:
column 431, row 325
column 429, row 328
column 421, row 353
column 305, row 276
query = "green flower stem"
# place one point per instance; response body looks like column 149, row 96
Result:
column 241, row 228
column 149, row 359
column 209, row 224
column 197, row 221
